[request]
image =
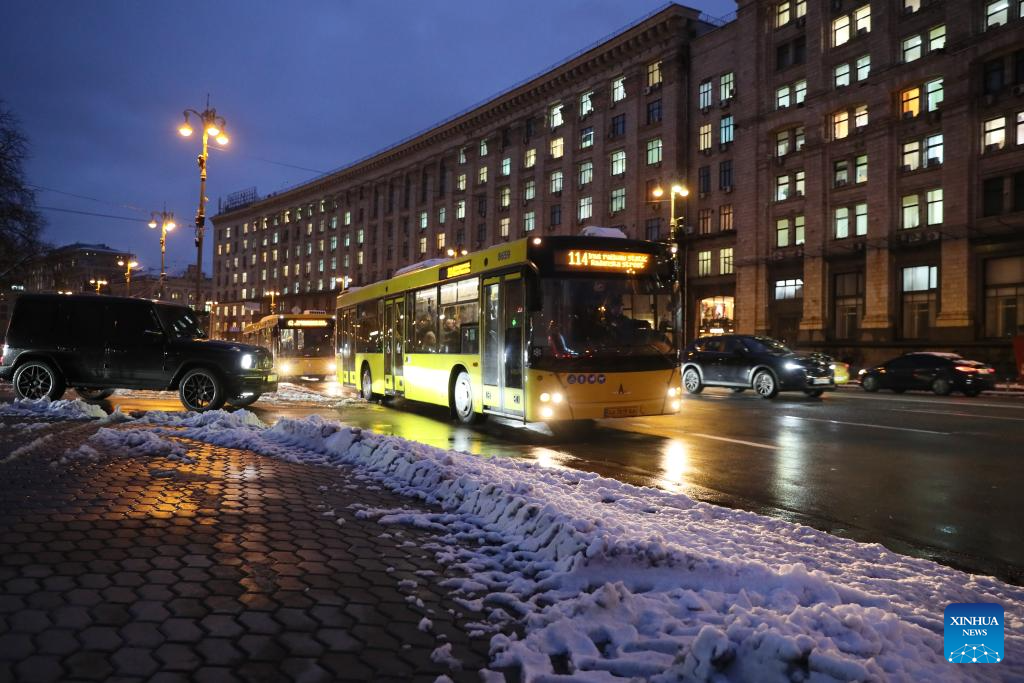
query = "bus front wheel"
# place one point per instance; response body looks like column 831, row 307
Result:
column 462, row 399
column 366, row 388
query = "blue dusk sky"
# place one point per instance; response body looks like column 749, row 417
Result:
column 305, row 87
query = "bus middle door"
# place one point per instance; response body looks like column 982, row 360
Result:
column 394, row 345
column 503, row 338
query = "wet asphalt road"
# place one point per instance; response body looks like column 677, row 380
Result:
column 935, row 477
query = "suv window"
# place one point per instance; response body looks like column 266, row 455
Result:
column 181, row 322
column 128, row 322
column 86, row 319
column 901, row 363
column 36, row 322
column 710, row 345
column 734, row 345
column 765, row 345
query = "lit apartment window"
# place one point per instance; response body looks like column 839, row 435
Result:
column 841, row 222
column 703, row 263
column 840, row 31
column 782, row 97
column 503, row 226
column 799, row 183
column 441, row 238
column 423, row 245
column 725, row 217
column 860, row 216
column 460, row 182
column 789, row 289
column 586, row 174
column 911, row 6
column 619, row 89
column 654, row 74
column 841, row 75
column 933, row 150
column 506, row 166
column 782, row 12
column 997, row 13
column 934, row 93
column 781, row 188
column 860, row 116
column 504, row 197
column 863, row 67
column 911, row 48
column 359, row 261
column 840, row 125
column 556, row 148
column 911, row 212
column 933, row 206
column 586, row 103
column 654, row 151
column 994, row 137
column 460, row 209
column 1020, row 116
column 586, row 208
column 481, row 176
column 919, row 300
column 800, row 91
column 530, row 158
column 555, row 115
column 840, row 172
column 442, row 214
column 556, row 182
column 725, row 264
column 798, row 230
column 725, row 130
column 782, row 232
column 704, row 94
column 618, row 200
column 360, row 236
column 529, row 189
column 462, row 155
column 727, row 86
column 782, row 143
column 704, row 137
column 910, row 102
column 860, row 173
column 618, row 162
column 587, row 137
column 862, row 19
column 704, row 221
column 937, row 37
column 529, row 221
column 483, row 148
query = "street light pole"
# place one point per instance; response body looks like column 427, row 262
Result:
column 128, row 265
column 676, row 239
column 212, row 125
column 272, row 294
column 97, row 283
column 166, row 225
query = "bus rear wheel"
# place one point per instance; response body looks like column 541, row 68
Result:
column 461, row 399
column 366, row 386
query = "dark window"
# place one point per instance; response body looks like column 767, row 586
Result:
column 407, row 191
column 129, row 322
column 652, row 229
column 704, row 179
column 391, row 197
column 618, row 125
column 35, row 323
column 654, row 111
column 556, row 214
column 800, row 50
column 481, row 206
column 992, row 196
column 481, row 232
column 782, row 57
column 1018, row 66
column 1018, row 191
column 994, row 76
column 442, row 180
column 528, row 128
column 424, row 182
column 725, row 174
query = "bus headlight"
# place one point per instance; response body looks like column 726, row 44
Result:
column 333, row 367
column 285, row 368
column 672, row 391
column 546, row 411
column 545, row 397
column 675, row 406
column 556, row 397
column 246, row 361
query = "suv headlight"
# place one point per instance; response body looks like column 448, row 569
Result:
column 246, row 361
column 793, row 366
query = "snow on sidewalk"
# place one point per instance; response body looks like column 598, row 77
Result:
column 611, row 581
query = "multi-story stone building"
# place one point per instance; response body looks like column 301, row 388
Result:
column 179, row 288
column 855, row 168
column 76, row 268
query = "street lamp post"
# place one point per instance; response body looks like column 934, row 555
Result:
column 97, row 284
column 128, row 265
column 678, row 237
column 166, row 223
column 212, row 125
column 272, row 293
column 457, row 251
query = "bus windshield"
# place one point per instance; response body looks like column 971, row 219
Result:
column 587, row 319
column 307, row 341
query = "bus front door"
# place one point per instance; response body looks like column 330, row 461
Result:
column 503, row 339
column 394, row 345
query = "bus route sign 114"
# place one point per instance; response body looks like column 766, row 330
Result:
column 588, row 259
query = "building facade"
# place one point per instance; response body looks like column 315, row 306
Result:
column 855, row 169
column 77, row 268
column 179, row 288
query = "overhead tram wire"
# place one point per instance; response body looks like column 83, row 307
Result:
column 130, row 207
column 91, row 213
column 271, row 161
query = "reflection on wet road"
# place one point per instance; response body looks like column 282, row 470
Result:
column 928, row 476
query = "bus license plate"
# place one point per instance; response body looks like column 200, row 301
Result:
column 820, row 380
column 271, row 378
column 622, row 411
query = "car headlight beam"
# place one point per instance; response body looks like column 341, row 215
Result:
column 246, row 361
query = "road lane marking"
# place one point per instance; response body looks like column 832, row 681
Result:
column 739, row 441
column 866, row 424
column 931, row 402
column 982, row 417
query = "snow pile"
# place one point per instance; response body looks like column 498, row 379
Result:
column 296, row 393
column 609, row 580
column 62, row 409
column 137, row 442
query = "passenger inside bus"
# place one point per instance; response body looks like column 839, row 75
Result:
column 450, row 339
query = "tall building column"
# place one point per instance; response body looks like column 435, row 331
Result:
column 812, row 324
column 751, row 299
column 955, row 319
column 879, row 321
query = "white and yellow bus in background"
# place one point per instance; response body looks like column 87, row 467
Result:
column 539, row 329
column 302, row 344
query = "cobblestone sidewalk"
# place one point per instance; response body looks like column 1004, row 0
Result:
column 234, row 567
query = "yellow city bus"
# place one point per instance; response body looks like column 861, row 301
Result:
column 539, row 329
column 302, row 343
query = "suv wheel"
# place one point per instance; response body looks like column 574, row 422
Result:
column 200, row 390
column 691, row 380
column 38, row 379
column 93, row 394
column 243, row 401
column 366, row 388
column 765, row 384
column 942, row 386
column 870, row 384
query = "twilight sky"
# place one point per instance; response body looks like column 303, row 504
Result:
column 305, row 86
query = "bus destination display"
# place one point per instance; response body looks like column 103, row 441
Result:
column 608, row 261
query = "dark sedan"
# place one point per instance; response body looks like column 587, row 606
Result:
column 743, row 362
column 942, row 373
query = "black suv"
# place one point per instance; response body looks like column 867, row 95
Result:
column 745, row 362
column 99, row 343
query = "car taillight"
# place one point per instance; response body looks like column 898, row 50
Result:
column 965, row 368
column 985, row 371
